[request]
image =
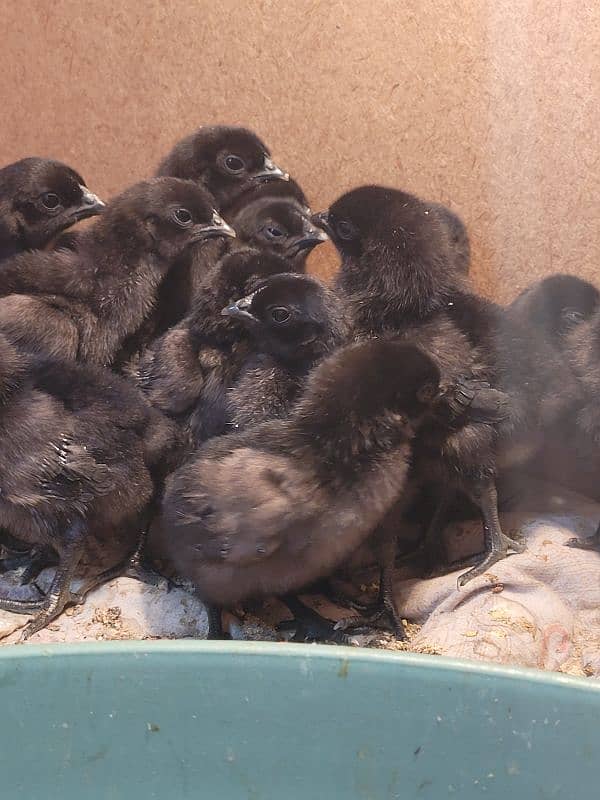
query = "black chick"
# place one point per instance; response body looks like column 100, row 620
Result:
column 281, row 226
column 226, row 160
column 39, row 198
column 397, row 275
column 582, row 347
column 556, row 305
column 548, row 328
column 294, row 321
column 186, row 373
column 82, row 304
column 459, row 237
column 272, row 509
column 276, row 190
column 78, row 447
column 536, row 369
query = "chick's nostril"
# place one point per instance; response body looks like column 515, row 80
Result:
column 90, row 199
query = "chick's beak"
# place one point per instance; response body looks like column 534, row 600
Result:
column 309, row 238
column 240, row 310
column 321, row 220
column 270, row 172
column 217, row 228
column 90, row 205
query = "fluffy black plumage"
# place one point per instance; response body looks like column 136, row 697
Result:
column 77, row 450
column 82, row 304
column 537, row 370
column 398, row 277
column 186, row 373
column 581, row 436
column 582, row 345
column 459, row 237
column 276, row 190
column 226, row 160
column 293, row 322
column 555, row 305
column 39, row 198
column 234, row 165
column 272, row 509
column 550, row 331
column 278, row 225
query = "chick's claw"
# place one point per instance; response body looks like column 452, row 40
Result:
column 589, row 543
column 507, row 548
column 382, row 618
column 310, row 626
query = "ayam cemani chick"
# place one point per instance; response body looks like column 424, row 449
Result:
column 293, row 322
column 186, row 373
column 551, row 325
column 39, row 198
column 583, row 350
column 280, row 225
column 536, row 369
column 226, row 160
column 274, row 508
column 277, row 190
column 77, row 449
column 82, row 304
column 398, row 278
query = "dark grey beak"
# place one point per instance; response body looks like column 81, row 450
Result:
column 217, row 229
column 90, row 205
column 310, row 238
column 241, row 310
column 270, row 172
column 321, row 220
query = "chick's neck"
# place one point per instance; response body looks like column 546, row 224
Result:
column 386, row 292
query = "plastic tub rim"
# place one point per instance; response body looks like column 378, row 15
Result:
column 203, row 647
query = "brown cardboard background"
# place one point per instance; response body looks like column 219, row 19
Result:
column 492, row 107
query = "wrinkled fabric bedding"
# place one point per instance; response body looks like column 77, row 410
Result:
column 537, row 609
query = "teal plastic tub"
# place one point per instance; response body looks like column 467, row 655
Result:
column 227, row 721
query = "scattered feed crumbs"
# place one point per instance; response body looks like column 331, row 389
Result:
column 387, row 641
column 109, row 617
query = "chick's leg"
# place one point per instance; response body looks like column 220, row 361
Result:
column 497, row 545
column 310, row 626
column 433, row 543
column 386, row 606
column 215, row 622
column 59, row 595
column 137, row 567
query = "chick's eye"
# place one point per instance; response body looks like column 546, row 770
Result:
column 272, row 232
column 50, row 200
column 234, row 164
column 280, row 314
column 345, row 229
column 182, row 217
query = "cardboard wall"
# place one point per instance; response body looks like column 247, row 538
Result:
column 491, row 107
